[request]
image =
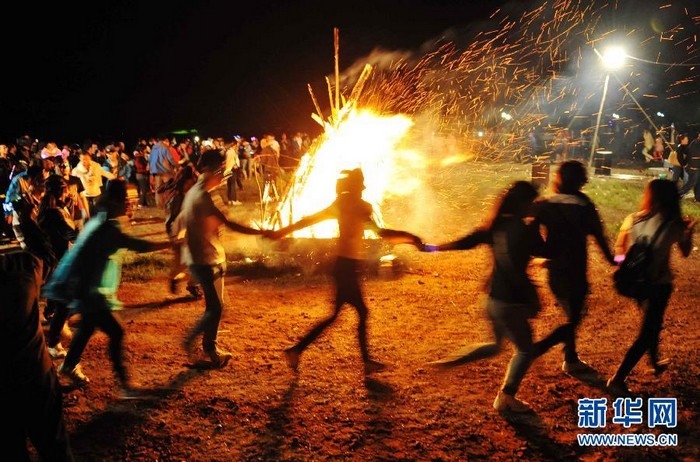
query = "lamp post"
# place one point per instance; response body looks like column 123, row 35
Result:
column 613, row 58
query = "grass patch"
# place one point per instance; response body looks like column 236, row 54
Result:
column 139, row 267
column 618, row 198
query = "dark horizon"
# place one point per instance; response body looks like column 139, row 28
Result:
column 122, row 70
column 126, row 70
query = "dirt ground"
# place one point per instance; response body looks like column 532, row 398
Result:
column 257, row 409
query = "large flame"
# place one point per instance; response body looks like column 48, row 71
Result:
column 362, row 139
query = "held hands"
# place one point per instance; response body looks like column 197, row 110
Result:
column 401, row 237
column 269, row 234
column 274, row 235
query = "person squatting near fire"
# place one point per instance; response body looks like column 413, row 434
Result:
column 88, row 277
column 354, row 215
column 660, row 212
column 569, row 217
column 200, row 221
column 512, row 297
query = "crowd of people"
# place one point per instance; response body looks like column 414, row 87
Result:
column 72, row 231
column 679, row 156
column 64, row 207
column 147, row 165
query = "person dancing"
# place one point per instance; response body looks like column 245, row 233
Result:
column 204, row 254
column 569, row 217
column 512, row 298
column 660, row 212
column 88, row 278
column 354, row 215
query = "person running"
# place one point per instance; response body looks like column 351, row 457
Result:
column 569, row 217
column 354, row 215
column 512, row 298
column 659, row 211
column 204, row 253
column 88, row 277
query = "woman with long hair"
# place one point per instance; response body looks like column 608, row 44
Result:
column 512, row 298
column 659, row 215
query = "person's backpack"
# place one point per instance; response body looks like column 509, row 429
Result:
column 633, row 279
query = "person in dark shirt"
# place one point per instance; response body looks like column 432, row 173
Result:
column 693, row 170
column 569, row 217
column 31, row 400
column 682, row 158
column 56, row 222
column 512, row 297
column 354, row 215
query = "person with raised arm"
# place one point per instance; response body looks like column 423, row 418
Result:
column 354, row 215
column 512, row 297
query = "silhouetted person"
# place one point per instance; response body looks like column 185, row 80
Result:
column 31, row 402
column 513, row 298
column 693, row 170
column 569, row 217
column 660, row 207
column 354, row 215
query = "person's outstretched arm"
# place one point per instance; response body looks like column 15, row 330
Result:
column 394, row 236
column 478, row 236
column 239, row 228
column 232, row 225
column 623, row 237
column 325, row 214
column 142, row 245
column 106, row 174
column 599, row 234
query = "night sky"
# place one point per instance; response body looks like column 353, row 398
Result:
column 121, row 70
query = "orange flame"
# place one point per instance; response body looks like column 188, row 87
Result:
column 362, row 139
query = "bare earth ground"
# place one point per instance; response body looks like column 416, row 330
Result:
column 257, row 409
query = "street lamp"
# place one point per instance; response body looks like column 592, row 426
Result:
column 612, row 58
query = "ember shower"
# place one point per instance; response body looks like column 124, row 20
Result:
column 476, row 94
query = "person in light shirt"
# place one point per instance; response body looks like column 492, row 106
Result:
column 203, row 253
column 660, row 212
column 91, row 174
